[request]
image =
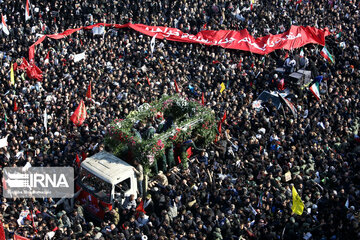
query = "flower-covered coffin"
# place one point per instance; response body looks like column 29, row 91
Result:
column 145, row 133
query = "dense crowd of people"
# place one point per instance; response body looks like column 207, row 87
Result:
column 236, row 188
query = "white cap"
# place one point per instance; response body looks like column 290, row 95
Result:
column 262, row 130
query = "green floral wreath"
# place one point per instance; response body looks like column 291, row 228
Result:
column 190, row 118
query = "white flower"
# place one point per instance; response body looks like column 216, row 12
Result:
column 143, row 107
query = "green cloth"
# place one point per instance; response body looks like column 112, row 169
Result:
column 161, row 127
column 154, row 168
column 162, row 163
column 170, row 156
column 186, row 145
column 137, row 134
column 184, row 159
column 149, row 134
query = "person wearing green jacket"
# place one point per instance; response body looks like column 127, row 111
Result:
column 184, row 147
column 162, row 163
column 150, row 132
column 169, row 151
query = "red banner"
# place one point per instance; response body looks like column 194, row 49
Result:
column 2, row 231
column 18, row 237
column 79, row 116
column 32, row 71
column 295, row 37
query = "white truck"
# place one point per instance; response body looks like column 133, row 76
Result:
column 103, row 179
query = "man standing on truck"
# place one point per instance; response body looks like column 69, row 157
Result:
column 139, row 171
column 185, row 146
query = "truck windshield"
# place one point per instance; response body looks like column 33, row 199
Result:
column 95, row 185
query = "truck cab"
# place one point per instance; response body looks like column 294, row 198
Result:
column 104, row 179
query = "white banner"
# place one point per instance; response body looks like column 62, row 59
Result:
column 79, row 57
column 4, row 142
column 98, row 30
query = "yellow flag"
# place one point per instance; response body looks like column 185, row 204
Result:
column 222, row 87
column 298, row 205
column 12, row 78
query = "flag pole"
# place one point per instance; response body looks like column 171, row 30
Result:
column 32, row 13
column 5, row 117
column 45, row 111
